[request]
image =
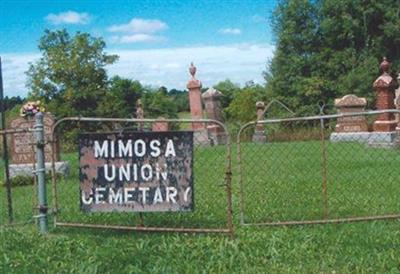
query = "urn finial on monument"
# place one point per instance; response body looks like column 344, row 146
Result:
column 192, row 70
column 385, row 65
column 193, row 83
column 385, row 80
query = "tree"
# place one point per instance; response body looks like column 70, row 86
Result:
column 70, row 77
column 242, row 109
column 326, row 49
column 11, row 102
column 228, row 90
column 181, row 99
column 157, row 103
column 121, row 98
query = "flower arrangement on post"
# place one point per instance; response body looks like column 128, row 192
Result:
column 29, row 109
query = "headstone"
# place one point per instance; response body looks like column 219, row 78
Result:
column 196, row 109
column 347, row 105
column 385, row 87
column 23, row 146
column 213, row 110
column 383, row 134
column 259, row 133
column 160, row 125
column 139, row 114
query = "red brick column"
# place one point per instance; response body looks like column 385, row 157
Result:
column 196, row 109
column 385, row 87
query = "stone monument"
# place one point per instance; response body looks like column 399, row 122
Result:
column 351, row 104
column 213, row 110
column 397, row 102
column 23, row 146
column 384, row 128
column 196, row 109
column 259, row 133
column 160, row 125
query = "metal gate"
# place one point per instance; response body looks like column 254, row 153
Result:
column 212, row 181
column 300, row 171
column 18, row 209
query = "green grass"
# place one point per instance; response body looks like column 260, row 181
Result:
column 283, row 182
column 288, row 178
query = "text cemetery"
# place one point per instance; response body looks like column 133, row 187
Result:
column 140, row 171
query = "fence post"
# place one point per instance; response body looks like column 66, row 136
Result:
column 5, row 150
column 41, row 172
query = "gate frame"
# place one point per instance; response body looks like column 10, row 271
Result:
column 326, row 220
column 7, row 179
column 229, row 229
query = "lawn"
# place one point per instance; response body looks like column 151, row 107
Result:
column 282, row 182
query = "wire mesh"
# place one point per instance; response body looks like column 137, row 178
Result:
column 211, row 164
column 310, row 169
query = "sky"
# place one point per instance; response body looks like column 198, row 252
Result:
column 156, row 40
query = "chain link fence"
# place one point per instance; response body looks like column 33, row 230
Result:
column 290, row 171
column 319, row 169
column 211, row 178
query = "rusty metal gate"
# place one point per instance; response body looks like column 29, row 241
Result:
column 212, row 180
column 303, row 171
column 16, row 177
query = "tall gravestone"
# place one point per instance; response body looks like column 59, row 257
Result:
column 211, row 99
column 196, row 109
column 259, row 132
column 385, row 87
column 397, row 102
column 139, row 114
column 23, row 146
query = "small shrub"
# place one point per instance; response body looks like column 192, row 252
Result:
column 21, row 180
column 24, row 180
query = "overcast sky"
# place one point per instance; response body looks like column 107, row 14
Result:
column 156, row 40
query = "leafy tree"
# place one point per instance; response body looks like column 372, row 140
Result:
column 120, row 98
column 243, row 106
column 157, row 103
column 228, row 89
column 181, row 99
column 11, row 102
column 70, row 77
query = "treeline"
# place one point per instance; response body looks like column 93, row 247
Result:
column 10, row 102
column 328, row 48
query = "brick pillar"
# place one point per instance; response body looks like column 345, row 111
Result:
column 385, row 87
column 196, row 109
column 213, row 111
column 259, row 133
column 200, row 135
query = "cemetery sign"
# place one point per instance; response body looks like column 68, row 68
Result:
column 136, row 171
